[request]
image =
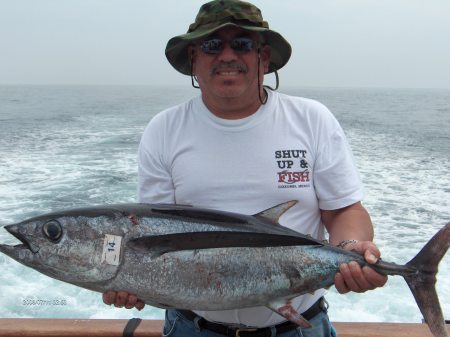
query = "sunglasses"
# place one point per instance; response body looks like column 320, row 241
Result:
column 240, row 45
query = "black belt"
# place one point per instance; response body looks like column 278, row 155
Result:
column 316, row 308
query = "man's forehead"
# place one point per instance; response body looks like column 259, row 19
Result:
column 232, row 32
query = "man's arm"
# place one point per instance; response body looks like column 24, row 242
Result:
column 354, row 223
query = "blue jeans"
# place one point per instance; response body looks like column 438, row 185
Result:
column 178, row 326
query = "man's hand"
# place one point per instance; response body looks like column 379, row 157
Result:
column 354, row 278
column 122, row 299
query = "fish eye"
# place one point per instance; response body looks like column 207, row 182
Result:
column 52, row 230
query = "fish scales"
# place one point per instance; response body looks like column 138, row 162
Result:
column 215, row 279
column 183, row 257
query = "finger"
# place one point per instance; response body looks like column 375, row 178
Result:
column 348, row 278
column 340, row 285
column 121, row 299
column 359, row 277
column 131, row 301
column 374, row 278
column 370, row 258
column 140, row 305
column 372, row 254
column 109, row 297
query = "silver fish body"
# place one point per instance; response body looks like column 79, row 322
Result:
column 227, row 278
column 188, row 258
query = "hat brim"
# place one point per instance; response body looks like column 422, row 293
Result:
column 177, row 47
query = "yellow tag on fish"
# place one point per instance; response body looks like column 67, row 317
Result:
column 111, row 249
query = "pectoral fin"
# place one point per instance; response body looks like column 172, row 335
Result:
column 274, row 213
column 160, row 244
column 284, row 308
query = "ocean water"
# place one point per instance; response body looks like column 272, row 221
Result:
column 69, row 146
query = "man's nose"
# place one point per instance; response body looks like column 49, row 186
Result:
column 227, row 53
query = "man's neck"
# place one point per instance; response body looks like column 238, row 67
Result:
column 232, row 108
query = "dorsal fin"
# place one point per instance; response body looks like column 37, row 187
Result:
column 274, row 213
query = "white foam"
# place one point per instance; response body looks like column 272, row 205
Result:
column 83, row 152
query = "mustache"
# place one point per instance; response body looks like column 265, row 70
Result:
column 228, row 66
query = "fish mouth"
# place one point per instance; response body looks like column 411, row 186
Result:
column 14, row 231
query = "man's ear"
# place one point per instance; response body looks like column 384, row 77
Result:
column 265, row 57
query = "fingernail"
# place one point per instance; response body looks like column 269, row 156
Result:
column 372, row 258
column 353, row 265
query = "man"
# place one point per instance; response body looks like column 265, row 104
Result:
column 242, row 147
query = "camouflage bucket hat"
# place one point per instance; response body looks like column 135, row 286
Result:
column 218, row 14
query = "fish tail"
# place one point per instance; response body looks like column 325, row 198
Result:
column 422, row 282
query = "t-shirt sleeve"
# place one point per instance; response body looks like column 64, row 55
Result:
column 336, row 178
column 154, row 178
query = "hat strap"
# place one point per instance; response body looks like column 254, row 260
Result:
column 193, row 78
column 262, row 100
column 277, row 83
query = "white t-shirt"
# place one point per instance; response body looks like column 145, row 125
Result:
column 292, row 148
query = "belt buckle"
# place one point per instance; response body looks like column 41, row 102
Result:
column 238, row 331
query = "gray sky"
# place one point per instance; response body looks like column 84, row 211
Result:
column 348, row 43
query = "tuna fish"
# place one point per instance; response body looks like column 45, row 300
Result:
column 184, row 257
